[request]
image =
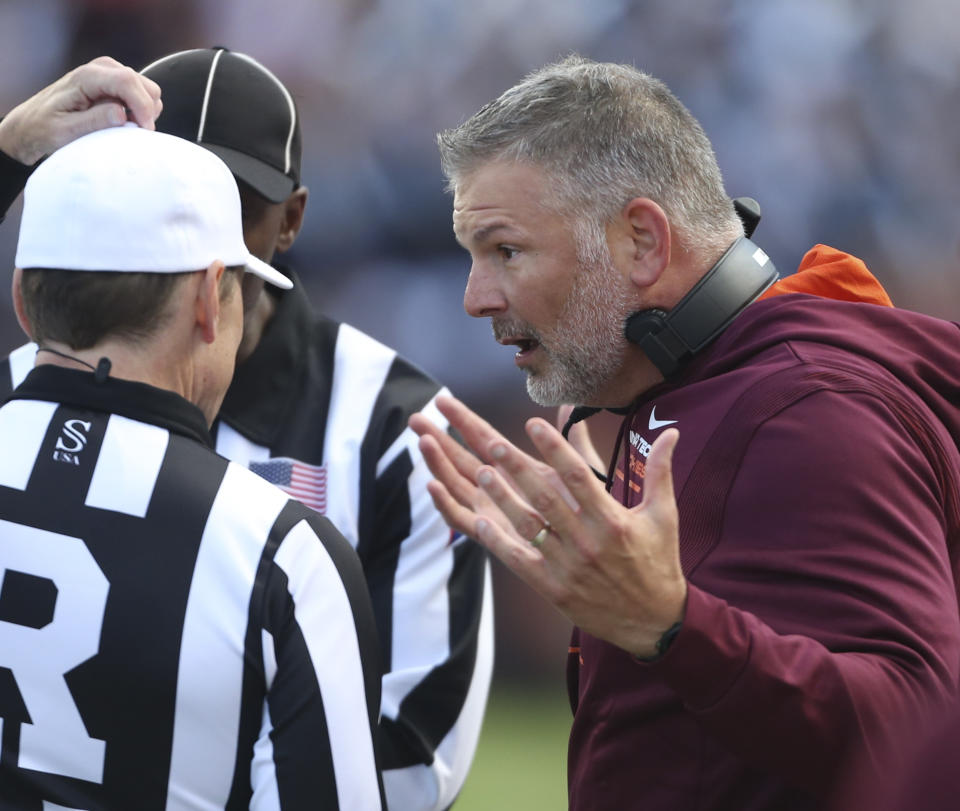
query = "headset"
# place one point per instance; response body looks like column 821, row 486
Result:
column 738, row 278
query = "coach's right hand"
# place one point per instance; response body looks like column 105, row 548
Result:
column 611, row 570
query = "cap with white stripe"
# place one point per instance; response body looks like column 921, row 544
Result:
column 231, row 104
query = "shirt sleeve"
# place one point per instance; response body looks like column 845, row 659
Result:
column 316, row 747
column 437, row 637
column 836, row 626
column 13, row 177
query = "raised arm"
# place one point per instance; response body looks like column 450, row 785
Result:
column 101, row 93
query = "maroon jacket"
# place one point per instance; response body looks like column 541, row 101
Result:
column 817, row 477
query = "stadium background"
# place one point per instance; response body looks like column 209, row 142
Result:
column 840, row 116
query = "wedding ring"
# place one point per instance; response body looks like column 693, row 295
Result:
column 537, row 540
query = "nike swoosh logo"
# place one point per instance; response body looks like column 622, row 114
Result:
column 654, row 423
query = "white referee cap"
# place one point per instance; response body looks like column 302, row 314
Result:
column 128, row 199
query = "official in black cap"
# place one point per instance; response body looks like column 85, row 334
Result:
column 321, row 409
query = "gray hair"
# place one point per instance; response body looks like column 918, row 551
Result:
column 605, row 134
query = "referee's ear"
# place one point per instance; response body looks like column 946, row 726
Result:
column 292, row 222
column 18, row 307
column 207, row 302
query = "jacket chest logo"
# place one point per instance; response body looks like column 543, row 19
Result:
column 640, row 444
column 637, row 461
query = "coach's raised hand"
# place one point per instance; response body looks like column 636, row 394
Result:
column 614, row 572
column 102, row 93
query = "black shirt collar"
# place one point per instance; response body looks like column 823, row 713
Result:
column 137, row 401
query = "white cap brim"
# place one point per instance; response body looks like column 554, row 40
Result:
column 268, row 273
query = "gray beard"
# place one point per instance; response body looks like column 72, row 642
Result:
column 586, row 347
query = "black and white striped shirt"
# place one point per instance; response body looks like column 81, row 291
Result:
column 321, row 409
column 327, row 405
column 175, row 633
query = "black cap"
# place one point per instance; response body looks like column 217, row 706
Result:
column 236, row 108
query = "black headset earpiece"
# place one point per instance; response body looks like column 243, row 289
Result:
column 644, row 322
column 748, row 210
column 738, row 278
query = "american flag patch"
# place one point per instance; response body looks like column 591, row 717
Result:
column 306, row 483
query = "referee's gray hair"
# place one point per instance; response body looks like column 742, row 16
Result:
column 605, row 134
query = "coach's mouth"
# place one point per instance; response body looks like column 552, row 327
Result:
column 526, row 347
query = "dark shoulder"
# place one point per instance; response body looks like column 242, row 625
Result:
column 13, row 177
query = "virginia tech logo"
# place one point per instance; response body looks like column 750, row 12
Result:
column 641, row 445
column 71, row 442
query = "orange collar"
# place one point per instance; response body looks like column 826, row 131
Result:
column 829, row 273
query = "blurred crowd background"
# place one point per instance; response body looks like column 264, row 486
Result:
column 841, row 117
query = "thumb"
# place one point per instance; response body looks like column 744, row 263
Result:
column 658, row 479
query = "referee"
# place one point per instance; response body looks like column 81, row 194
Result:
column 175, row 632
column 320, row 408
